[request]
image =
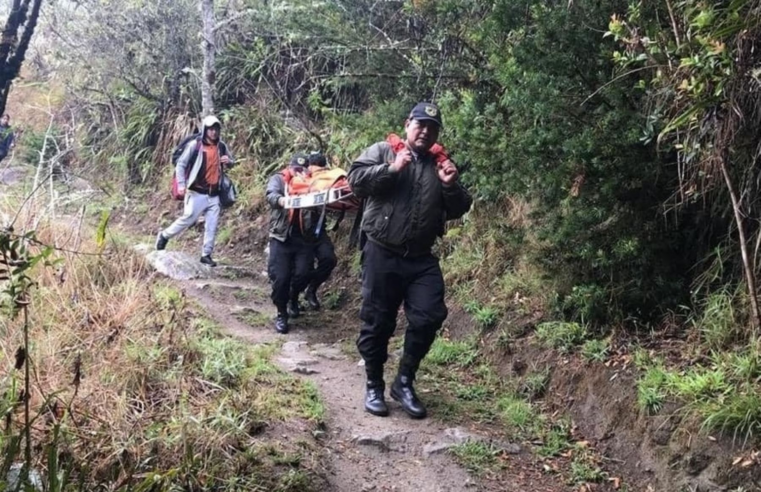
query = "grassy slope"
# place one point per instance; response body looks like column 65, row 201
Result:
column 133, row 385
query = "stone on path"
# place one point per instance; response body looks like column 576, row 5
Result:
column 456, row 435
column 12, row 175
column 433, row 448
column 176, row 265
column 293, row 356
column 387, row 441
column 327, row 351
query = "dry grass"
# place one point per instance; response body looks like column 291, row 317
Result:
column 141, row 387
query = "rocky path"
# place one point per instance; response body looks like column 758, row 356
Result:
column 366, row 453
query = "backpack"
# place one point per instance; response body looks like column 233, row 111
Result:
column 176, row 156
column 181, row 146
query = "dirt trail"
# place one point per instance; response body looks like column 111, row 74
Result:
column 366, row 453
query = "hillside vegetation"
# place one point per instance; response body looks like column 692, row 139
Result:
column 611, row 146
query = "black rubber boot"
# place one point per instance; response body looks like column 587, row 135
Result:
column 402, row 390
column 375, row 400
column 311, row 297
column 161, row 242
column 294, row 309
column 281, row 323
column 206, row 260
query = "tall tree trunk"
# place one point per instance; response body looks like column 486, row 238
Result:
column 208, row 47
column 13, row 49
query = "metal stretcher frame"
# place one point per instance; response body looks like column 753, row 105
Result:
column 317, row 198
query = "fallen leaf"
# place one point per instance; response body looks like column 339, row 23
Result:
column 583, row 444
column 746, row 463
column 737, row 460
column 616, row 482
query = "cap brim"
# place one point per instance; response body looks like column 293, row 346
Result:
column 428, row 118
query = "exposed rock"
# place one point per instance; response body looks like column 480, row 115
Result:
column 389, row 441
column 34, row 478
column 178, row 265
column 243, row 310
column 433, row 448
column 457, row 435
column 460, row 436
column 378, row 442
column 294, row 357
column 293, row 347
column 326, row 351
column 12, row 175
column 507, row 447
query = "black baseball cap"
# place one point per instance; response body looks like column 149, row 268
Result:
column 299, row 160
column 317, row 159
column 426, row 111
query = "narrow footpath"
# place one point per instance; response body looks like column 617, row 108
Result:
column 365, row 453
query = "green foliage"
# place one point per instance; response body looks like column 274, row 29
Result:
column 448, row 352
column 31, row 145
column 651, row 389
column 333, row 299
column 535, row 384
column 556, row 439
column 582, row 471
column 560, row 335
column 517, row 413
column 478, row 457
column 595, row 350
column 719, row 323
column 737, row 413
column 485, row 316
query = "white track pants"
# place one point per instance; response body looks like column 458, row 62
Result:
column 195, row 205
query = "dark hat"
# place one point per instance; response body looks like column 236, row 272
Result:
column 299, row 160
column 426, row 111
column 317, row 159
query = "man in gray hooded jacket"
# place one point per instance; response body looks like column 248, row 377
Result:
column 199, row 174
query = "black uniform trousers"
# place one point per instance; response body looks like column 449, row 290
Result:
column 290, row 264
column 325, row 254
column 388, row 279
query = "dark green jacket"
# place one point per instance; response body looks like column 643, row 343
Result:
column 405, row 211
column 280, row 223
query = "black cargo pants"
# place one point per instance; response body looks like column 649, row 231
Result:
column 388, row 279
column 289, row 266
column 325, row 254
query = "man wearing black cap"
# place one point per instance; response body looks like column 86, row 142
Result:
column 291, row 250
column 324, row 252
column 408, row 198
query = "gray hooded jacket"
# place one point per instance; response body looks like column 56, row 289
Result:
column 190, row 151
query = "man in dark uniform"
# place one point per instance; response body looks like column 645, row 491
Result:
column 291, row 248
column 408, row 199
column 324, row 252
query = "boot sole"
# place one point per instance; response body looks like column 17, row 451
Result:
column 377, row 414
column 412, row 414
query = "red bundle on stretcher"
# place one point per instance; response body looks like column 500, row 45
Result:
column 321, row 187
column 330, row 188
